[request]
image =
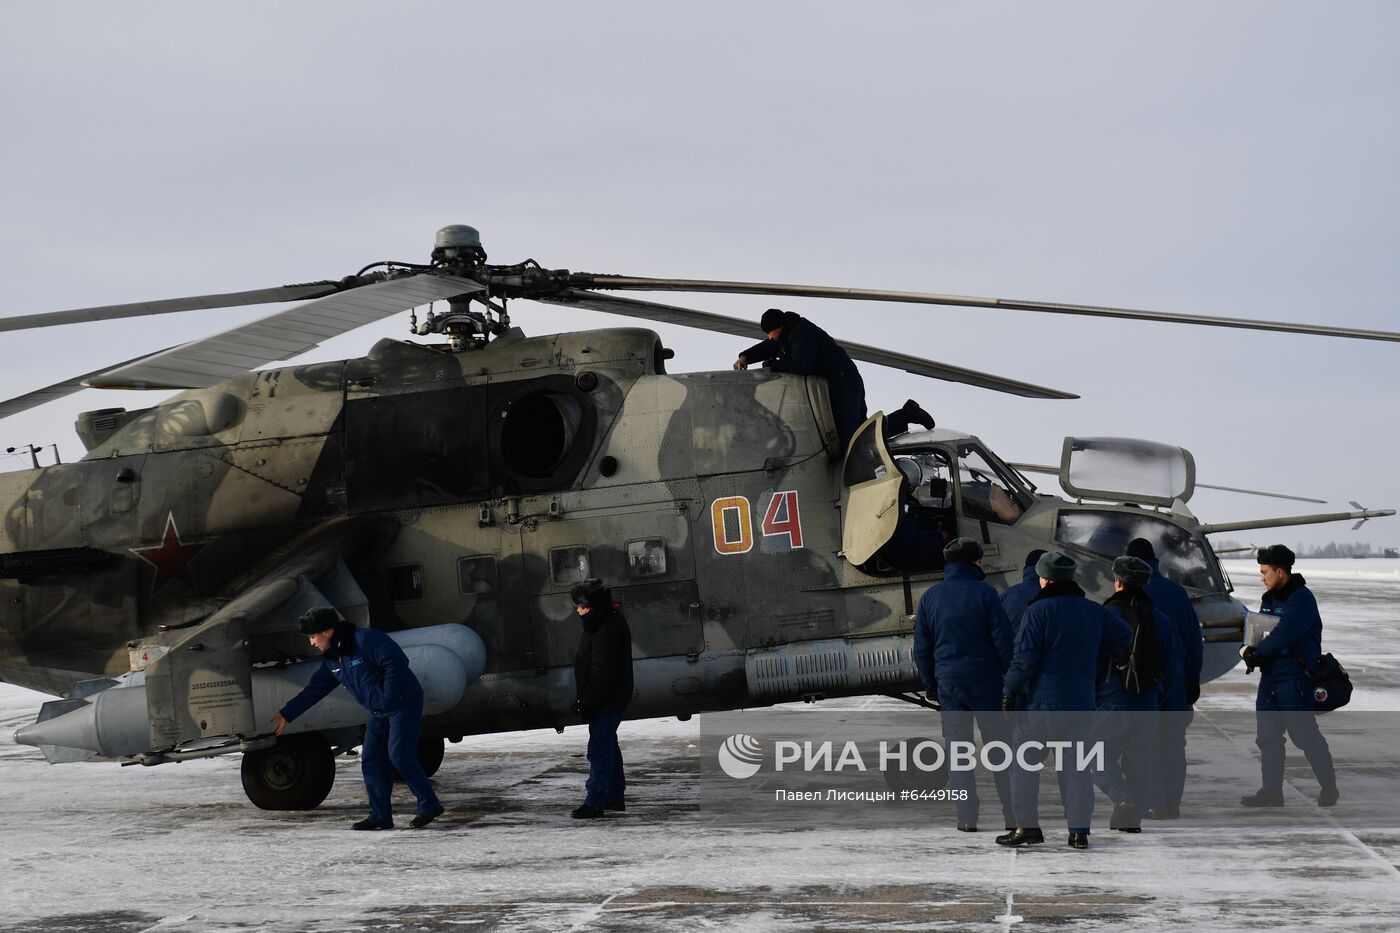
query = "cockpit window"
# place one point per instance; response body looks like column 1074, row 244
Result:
column 1181, row 555
column 988, row 492
column 865, row 461
column 927, row 475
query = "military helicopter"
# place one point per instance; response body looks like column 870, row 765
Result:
column 452, row 493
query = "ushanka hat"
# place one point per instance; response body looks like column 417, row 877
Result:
column 318, row 620
column 962, row 550
column 1055, row 567
column 1276, row 555
column 1132, row 571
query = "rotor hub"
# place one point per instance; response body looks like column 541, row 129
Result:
column 458, row 245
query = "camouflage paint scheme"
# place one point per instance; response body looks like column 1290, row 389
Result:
column 365, row 482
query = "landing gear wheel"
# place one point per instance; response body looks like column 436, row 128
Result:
column 430, row 752
column 295, row 774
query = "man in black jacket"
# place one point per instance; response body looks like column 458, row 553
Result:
column 796, row 345
column 603, row 676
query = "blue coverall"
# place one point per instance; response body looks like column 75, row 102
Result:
column 962, row 646
column 374, row 670
column 1017, row 597
column 1127, row 722
column 1054, row 665
column 1172, row 600
column 1284, row 702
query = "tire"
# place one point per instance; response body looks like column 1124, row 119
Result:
column 295, row 774
column 430, row 752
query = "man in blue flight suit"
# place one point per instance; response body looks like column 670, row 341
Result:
column 374, row 670
column 1054, row 663
column 1172, row 600
column 796, row 345
column 1130, row 686
column 1285, row 700
column 962, row 646
column 1017, row 597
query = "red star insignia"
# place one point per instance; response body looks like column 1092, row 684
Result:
column 171, row 558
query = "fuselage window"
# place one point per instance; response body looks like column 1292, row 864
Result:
column 646, row 558
column 405, row 582
column 568, row 565
column 476, row 576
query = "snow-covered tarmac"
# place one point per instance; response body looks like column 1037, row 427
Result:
column 96, row 847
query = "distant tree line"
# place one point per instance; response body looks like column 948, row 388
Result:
column 1332, row 549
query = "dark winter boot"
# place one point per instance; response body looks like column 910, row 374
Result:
column 1022, row 836
column 917, row 415
column 1125, row 818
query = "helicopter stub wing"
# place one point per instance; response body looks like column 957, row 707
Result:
column 634, row 283
column 688, row 317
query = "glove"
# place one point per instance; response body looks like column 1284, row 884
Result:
column 1193, row 693
column 1247, row 652
column 1008, row 704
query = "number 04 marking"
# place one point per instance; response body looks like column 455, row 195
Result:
column 784, row 504
column 742, row 541
column 732, row 522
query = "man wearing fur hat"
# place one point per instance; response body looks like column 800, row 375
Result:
column 1130, row 686
column 1171, row 599
column 962, row 646
column 603, row 677
column 796, row 345
column 374, row 670
column 1053, row 667
column 1284, row 702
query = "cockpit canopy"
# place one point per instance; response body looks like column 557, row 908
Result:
column 1125, row 469
column 1182, row 555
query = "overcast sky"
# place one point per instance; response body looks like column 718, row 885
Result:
column 1229, row 159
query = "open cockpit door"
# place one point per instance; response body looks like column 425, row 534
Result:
column 870, row 494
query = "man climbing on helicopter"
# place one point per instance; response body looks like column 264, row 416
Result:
column 796, row 345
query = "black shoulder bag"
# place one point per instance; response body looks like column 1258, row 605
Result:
column 1330, row 682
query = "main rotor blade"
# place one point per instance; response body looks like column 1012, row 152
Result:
column 280, row 336
column 589, row 280
column 13, row 406
column 687, row 317
column 170, row 305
